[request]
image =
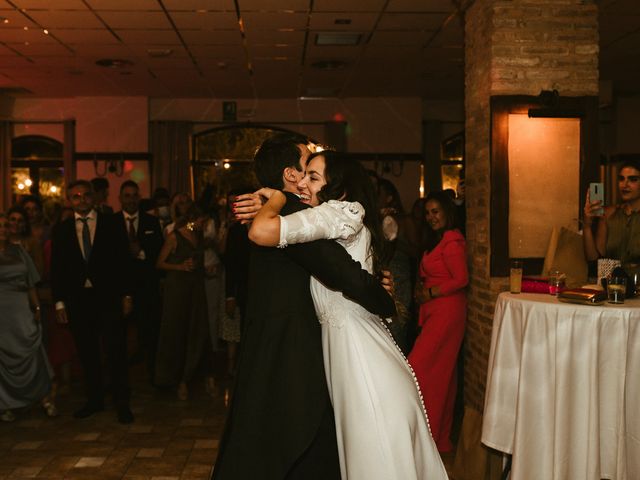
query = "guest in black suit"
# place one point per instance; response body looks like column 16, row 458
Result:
column 89, row 275
column 145, row 241
column 280, row 424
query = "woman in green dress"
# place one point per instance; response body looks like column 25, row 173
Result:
column 25, row 373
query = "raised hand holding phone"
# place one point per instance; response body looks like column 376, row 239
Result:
column 595, row 200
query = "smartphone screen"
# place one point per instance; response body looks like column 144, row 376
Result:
column 596, row 193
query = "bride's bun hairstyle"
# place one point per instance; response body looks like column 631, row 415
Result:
column 348, row 180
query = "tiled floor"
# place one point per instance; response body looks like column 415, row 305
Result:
column 170, row 439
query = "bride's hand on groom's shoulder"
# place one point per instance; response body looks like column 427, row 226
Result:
column 247, row 206
column 387, row 282
column 266, row 193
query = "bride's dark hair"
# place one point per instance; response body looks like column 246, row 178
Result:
column 348, row 180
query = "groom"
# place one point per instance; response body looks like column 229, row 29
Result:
column 280, row 425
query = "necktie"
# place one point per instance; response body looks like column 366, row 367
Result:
column 132, row 229
column 86, row 238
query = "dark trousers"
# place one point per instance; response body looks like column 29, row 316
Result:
column 320, row 461
column 97, row 322
column 146, row 314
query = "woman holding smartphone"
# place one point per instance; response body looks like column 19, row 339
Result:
column 617, row 234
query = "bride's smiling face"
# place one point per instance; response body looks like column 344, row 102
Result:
column 312, row 182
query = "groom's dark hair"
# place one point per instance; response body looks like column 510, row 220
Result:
column 274, row 155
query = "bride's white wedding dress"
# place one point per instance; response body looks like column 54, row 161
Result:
column 381, row 424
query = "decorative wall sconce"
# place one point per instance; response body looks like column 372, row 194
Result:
column 109, row 165
column 551, row 107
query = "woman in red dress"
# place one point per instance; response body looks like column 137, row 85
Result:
column 443, row 311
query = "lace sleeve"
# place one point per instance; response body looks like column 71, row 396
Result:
column 331, row 220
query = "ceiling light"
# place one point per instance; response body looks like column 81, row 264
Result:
column 114, row 63
column 4, row 19
column 25, row 28
column 338, row 38
column 159, row 52
column 46, row 32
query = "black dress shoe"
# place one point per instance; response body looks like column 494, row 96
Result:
column 88, row 410
column 124, row 415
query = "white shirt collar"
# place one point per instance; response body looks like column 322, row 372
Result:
column 91, row 215
column 128, row 216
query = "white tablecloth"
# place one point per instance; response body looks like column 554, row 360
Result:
column 563, row 388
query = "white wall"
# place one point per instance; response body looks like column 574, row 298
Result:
column 103, row 124
column 375, row 124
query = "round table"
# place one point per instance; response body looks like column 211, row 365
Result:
column 563, row 388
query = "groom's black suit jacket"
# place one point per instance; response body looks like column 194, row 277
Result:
column 281, row 398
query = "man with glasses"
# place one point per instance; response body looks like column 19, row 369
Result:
column 90, row 278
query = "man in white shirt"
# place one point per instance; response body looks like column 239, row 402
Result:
column 145, row 241
column 90, row 281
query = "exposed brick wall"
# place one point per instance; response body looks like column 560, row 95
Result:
column 513, row 47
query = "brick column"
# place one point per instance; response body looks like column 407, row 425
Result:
column 513, row 47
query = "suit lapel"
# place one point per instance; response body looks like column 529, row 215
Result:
column 73, row 239
column 97, row 236
column 121, row 220
column 144, row 225
column 141, row 227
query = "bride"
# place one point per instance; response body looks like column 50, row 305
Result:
column 381, row 424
